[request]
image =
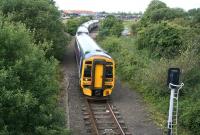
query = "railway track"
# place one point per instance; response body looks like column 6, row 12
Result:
column 102, row 118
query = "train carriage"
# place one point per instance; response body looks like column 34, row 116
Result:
column 82, row 29
column 96, row 67
column 90, row 25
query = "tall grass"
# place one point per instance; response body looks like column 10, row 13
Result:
column 148, row 76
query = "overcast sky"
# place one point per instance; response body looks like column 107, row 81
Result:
column 121, row 5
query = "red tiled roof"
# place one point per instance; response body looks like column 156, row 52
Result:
column 79, row 12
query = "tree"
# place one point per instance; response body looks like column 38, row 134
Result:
column 110, row 26
column 28, row 85
column 194, row 15
column 73, row 23
column 41, row 17
column 158, row 11
column 154, row 5
column 162, row 40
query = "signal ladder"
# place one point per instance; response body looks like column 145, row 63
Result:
column 173, row 109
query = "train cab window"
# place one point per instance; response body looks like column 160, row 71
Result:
column 79, row 33
column 109, row 72
column 87, row 71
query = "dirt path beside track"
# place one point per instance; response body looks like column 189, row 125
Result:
column 134, row 111
column 72, row 92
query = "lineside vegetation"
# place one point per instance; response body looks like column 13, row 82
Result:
column 43, row 19
column 164, row 37
column 30, row 40
column 72, row 24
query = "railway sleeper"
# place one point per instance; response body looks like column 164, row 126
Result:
column 106, row 124
column 98, row 108
column 116, row 113
column 101, row 113
column 86, row 113
column 128, row 133
column 113, row 127
column 86, row 117
column 103, row 122
column 84, row 108
column 107, row 115
column 121, row 121
column 102, row 116
column 87, row 123
column 108, row 127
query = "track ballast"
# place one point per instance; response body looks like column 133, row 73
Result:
column 103, row 118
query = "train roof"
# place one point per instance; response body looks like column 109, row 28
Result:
column 89, row 47
column 82, row 29
column 87, row 24
column 95, row 21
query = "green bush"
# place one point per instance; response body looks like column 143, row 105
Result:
column 172, row 37
column 110, row 26
column 134, row 28
column 190, row 117
column 158, row 11
column 41, row 17
column 28, row 85
column 72, row 24
column 111, row 44
column 162, row 40
column 148, row 76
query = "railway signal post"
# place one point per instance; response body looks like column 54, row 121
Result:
column 174, row 86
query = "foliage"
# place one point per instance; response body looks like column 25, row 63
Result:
column 162, row 40
column 134, row 28
column 110, row 26
column 72, row 24
column 119, row 48
column 158, row 11
column 166, row 14
column 148, row 76
column 194, row 16
column 28, row 85
column 153, row 6
column 111, row 44
column 42, row 17
column 172, row 36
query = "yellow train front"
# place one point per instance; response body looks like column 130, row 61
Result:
column 96, row 67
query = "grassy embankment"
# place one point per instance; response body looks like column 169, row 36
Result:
column 148, row 76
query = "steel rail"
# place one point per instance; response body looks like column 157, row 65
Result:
column 115, row 119
column 92, row 119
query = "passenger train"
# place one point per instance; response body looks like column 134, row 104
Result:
column 96, row 68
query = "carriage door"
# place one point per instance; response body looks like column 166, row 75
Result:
column 98, row 74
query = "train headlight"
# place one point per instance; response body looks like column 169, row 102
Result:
column 107, row 93
column 109, row 80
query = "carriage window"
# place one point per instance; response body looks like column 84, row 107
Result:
column 109, row 72
column 87, row 71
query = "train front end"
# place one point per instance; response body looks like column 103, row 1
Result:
column 98, row 76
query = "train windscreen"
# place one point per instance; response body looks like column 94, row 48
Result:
column 109, row 72
column 87, row 71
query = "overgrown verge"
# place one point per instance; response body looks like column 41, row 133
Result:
column 43, row 19
column 28, row 85
column 72, row 24
column 162, row 41
column 31, row 37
